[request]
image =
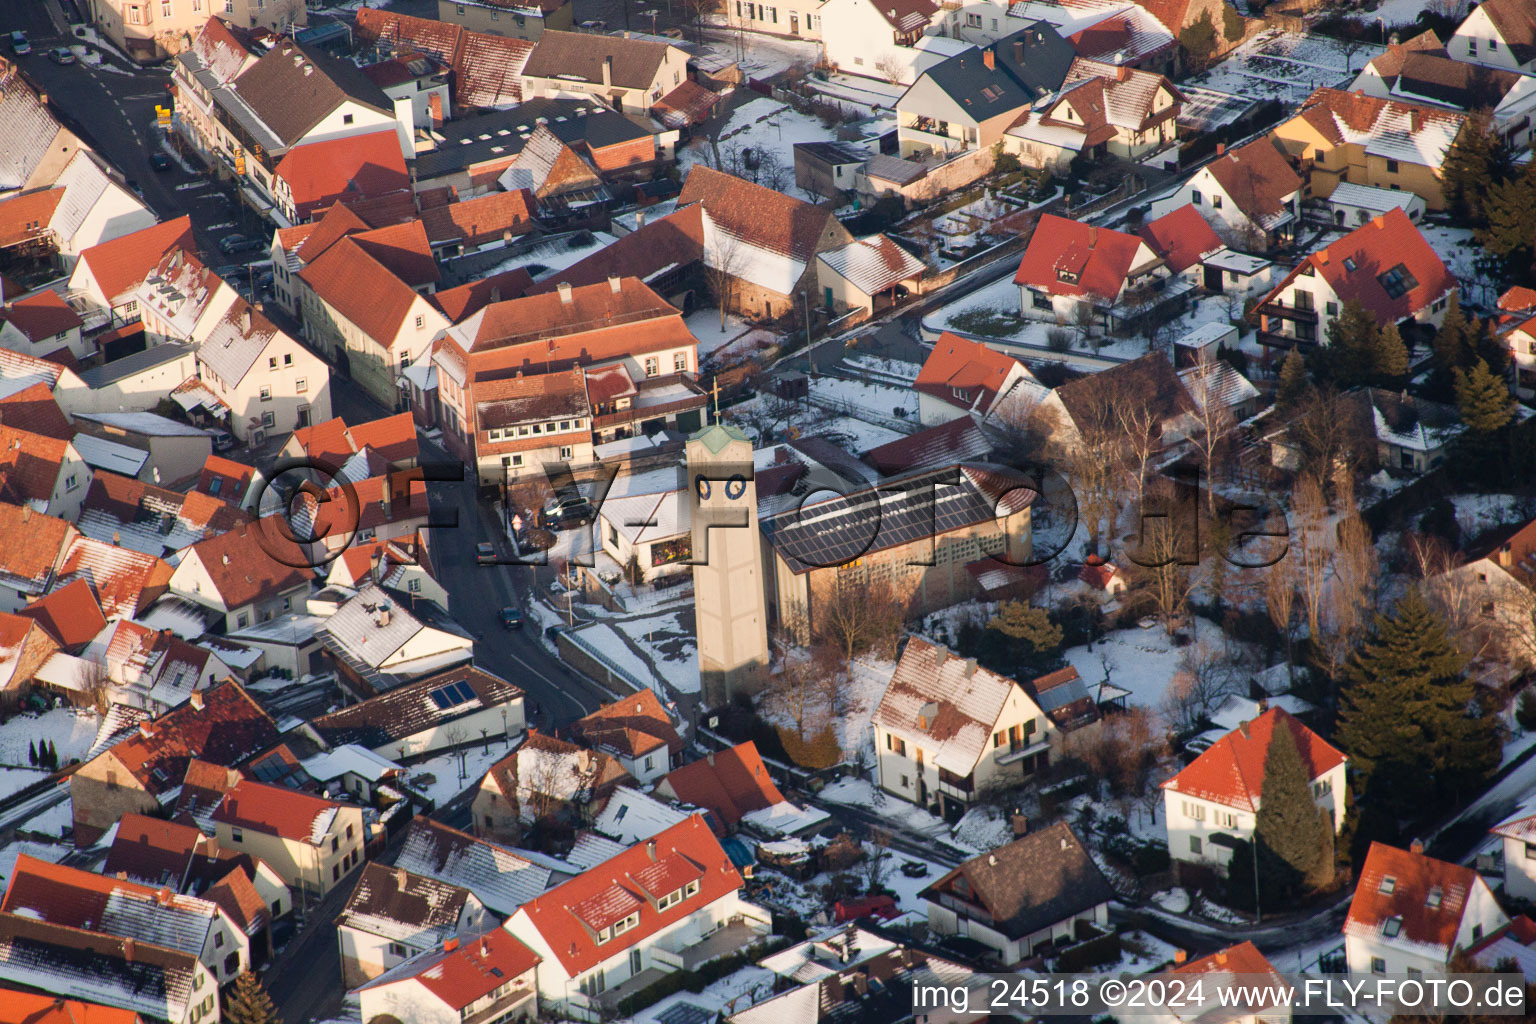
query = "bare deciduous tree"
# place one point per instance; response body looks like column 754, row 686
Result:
column 807, row 682
column 95, row 686
column 878, row 859
column 1203, row 683
column 725, row 257
column 1167, row 550
column 1214, row 427
column 1310, row 548
column 890, row 66
column 1280, row 603
column 856, row 615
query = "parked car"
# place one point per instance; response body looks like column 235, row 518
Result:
column 485, row 553
column 512, row 618
column 62, row 55
column 19, row 45
column 567, row 513
column 160, row 162
column 231, row 244
column 595, row 25
column 223, row 440
column 672, row 33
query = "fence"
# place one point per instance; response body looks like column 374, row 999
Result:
column 597, row 658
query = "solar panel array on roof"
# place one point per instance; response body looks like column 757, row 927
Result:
column 452, row 695
column 685, row 1013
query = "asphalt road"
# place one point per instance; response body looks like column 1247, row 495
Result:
column 112, row 108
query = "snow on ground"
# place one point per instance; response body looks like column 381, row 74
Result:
column 763, row 56
column 14, row 780
column 1140, row 952
column 1479, row 513
column 70, row 730
column 840, row 413
column 1460, row 251
column 42, row 851
column 907, row 888
column 1286, row 66
column 881, row 368
column 1175, row 900
column 704, row 323
column 857, row 398
column 856, row 702
column 863, row 793
column 444, row 768
column 763, row 125
column 670, row 645
column 1143, row 661
column 52, row 822
column 731, row 994
column 1399, row 12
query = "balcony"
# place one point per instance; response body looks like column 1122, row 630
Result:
column 1281, row 311
column 658, row 397
column 1020, row 751
column 932, row 133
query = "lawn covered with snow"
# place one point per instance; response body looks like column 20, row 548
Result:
column 763, row 125
column 1286, row 66
column 704, row 323
column 1479, row 513
column 14, row 780
column 444, row 768
column 1143, row 661
column 70, row 730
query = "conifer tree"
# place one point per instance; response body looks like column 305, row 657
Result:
column 1348, row 357
column 53, row 756
column 1291, row 832
column 1390, row 358
column 1484, row 400
column 248, row 1002
column 1409, row 718
column 1510, row 232
column 32, row 753
column 1293, row 380
column 1030, row 637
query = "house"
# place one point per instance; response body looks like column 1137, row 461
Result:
column 150, row 33
column 637, row 732
column 486, row 69
column 544, row 786
column 237, row 574
column 636, row 356
column 138, row 382
column 176, row 450
column 1341, row 136
column 828, row 169
column 402, row 564
column 1249, row 194
column 868, row 274
column 1490, row 591
column 107, row 274
column 24, row 646
column 1082, row 409
column 310, row 842
column 31, row 550
column 232, row 483
column 1216, row 380
column 43, row 473
column 1244, row 961
column 626, row 74
column 1413, row 435
column 972, row 728
column 1499, row 33
column 798, row 19
column 765, row 240
column 357, row 770
column 381, row 507
column 130, row 513
column 628, row 816
column 1353, row 205
column 1518, row 835
column 92, row 207
column 309, row 178
column 43, row 325
column 1429, row 76
column 960, row 376
column 427, row 715
column 651, row 530
column 393, row 915
column 221, row 725
column 1520, row 341
column 1386, row 265
column 963, row 103
column 333, row 442
column 125, row 582
column 480, row 224
column 487, row 978
column 1039, row 892
column 1412, row 913
column 670, row 903
column 153, row 670
column 419, row 79
column 733, row 788
column 376, row 643
column 521, row 19
column 498, row 877
column 881, row 985
column 70, row 614
column 180, row 300
column 266, row 380
column 40, row 148
column 74, row 964
column 1071, row 271
column 889, row 40
column 1212, row 805
column 35, row 409
column 1101, row 109
column 112, row 906
column 1184, row 240
column 46, row 1008
column 360, row 314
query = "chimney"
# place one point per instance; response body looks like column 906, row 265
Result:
column 485, row 947
column 639, row 219
column 1221, row 149
column 163, row 896
column 711, row 758
column 449, row 945
column 435, row 106
column 608, row 70
column 992, row 859
column 212, row 845
column 26, row 513
column 117, row 539
column 245, row 320
column 196, row 700
column 383, row 616
column 650, row 849
column 122, row 876
column 564, row 287
column 495, row 294
column 128, row 949
column 615, row 284
column 1417, row 846
column 989, row 59
column 1263, row 704
column 147, row 730
column 400, row 878
column 1242, row 727
column 1093, row 237
column 1122, row 73
column 1020, row 825
column 1179, row 956
column 1221, row 958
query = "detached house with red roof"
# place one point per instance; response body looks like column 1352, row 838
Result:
column 1212, row 804
column 670, row 903
column 733, row 788
column 309, row 178
column 488, row 979
column 1411, row 913
column 962, row 376
column 1101, row 110
column 1251, row 195
column 43, row 325
column 637, row 732
column 108, row 275
column 311, row 843
column 1386, row 265
column 1069, row 265
column 1499, row 33
column 236, row 575
column 265, row 381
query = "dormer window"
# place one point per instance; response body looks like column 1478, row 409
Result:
column 1349, row 263
column 1388, row 885
column 1398, row 281
column 1068, row 276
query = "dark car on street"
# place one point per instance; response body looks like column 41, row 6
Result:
column 512, row 618
column 160, row 162
column 485, row 553
column 568, row 514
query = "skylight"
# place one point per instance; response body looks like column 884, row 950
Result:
column 1388, row 885
column 452, row 695
column 1391, row 927
column 1433, row 899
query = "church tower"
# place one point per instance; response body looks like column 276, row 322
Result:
column 729, row 602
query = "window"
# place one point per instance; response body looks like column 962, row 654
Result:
column 1349, row 263
column 1388, row 885
column 1039, row 300
column 495, row 15
column 905, row 783
column 70, row 482
column 1332, row 308
column 897, row 744
column 1215, row 202
column 218, row 940
column 1398, row 281
column 287, row 358
column 1194, row 810
column 236, row 835
column 1432, row 900
column 301, row 385
column 272, row 363
column 1194, row 845
column 232, row 963
column 165, row 8
column 346, row 118
column 652, row 366
column 691, row 889
column 650, row 763
column 1378, row 965
column 680, row 362
column 197, row 5
column 136, row 15
column 397, row 949
column 1391, row 927
column 242, row 620
column 335, row 872
column 421, row 322
column 1477, row 933
column 1194, row 196
column 1493, row 46
column 266, row 394
column 973, row 21
column 269, row 419
column 1472, row 47
column 1391, row 166
column 335, row 844
column 565, row 452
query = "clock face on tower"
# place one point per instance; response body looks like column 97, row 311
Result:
column 735, row 487
column 701, row 487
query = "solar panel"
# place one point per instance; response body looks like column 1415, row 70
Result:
column 685, row 1013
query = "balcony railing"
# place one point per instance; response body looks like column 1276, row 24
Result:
column 1281, row 311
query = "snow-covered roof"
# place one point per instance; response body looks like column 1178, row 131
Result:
column 351, row 759
column 1240, row 262
column 1370, row 197
column 630, row 816
column 146, row 423
column 873, row 264
column 100, row 453
column 785, row 819
column 645, row 518
column 499, row 877
column 1217, row 379
column 591, row 849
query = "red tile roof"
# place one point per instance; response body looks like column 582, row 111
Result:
column 229, row 727
column 470, row 970
column 729, row 783
column 361, row 166
column 75, row 898
column 124, row 581
column 1413, row 877
column 71, row 614
column 41, row 316
column 1100, row 259
column 241, row 568
column 482, row 219
column 361, row 289
column 31, row 544
column 1181, row 237
column 26, row 217
column 35, row 410
column 956, row 363
column 236, row 895
column 278, row 811
column 1257, row 177
column 336, row 224
column 402, row 249
column 686, row 850
column 674, row 240
column 1231, row 772
column 1243, row 958
column 235, row 478
column 122, row 264
column 757, row 215
column 393, row 437
column 17, row 1007
column 569, row 325
column 30, row 464
column 152, row 850
column 466, row 300
column 1353, row 265
column 633, row 726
